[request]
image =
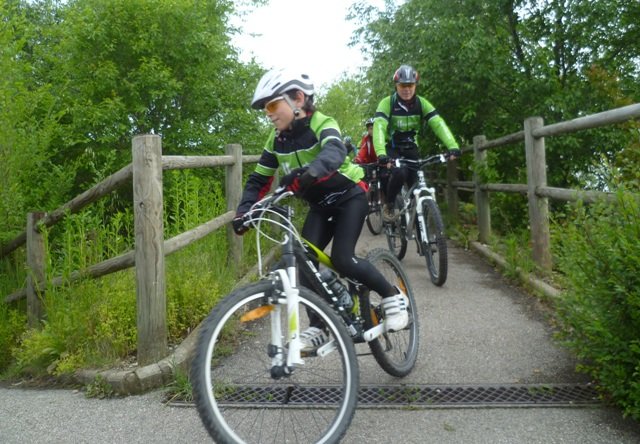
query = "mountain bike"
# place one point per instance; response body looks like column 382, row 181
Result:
column 251, row 380
column 419, row 218
column 372, row 177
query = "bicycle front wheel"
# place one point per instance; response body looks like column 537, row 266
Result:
column 434, row 247
column 396, row 232
column 396, row 352
column 238, row 395
column 374, row 218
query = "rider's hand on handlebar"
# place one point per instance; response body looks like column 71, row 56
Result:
column 384, row 160
column 453, row 154
column 238, row 224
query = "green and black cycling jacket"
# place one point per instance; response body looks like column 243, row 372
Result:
column 313, row 142
column 395, row 122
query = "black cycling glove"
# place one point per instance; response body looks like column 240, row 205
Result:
column 454, row 152
column 383, row 160
column 238, row 225
column 298, row 180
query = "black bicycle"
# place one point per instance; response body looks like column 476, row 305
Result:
column 419, row 218
column 374, row 217
column 252, row 382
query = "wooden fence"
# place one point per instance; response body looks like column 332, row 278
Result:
column 150, row 247
column 536, row 188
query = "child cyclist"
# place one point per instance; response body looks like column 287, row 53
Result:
column 306, row 146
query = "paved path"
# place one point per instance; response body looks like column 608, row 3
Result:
column 477, row 329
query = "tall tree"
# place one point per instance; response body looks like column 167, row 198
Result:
column 29, row 180
column 82, row 77
column 488, row 65
column 125, row 67
column 347, row 102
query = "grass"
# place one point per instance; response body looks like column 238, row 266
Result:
column 180, row 389
column 92, row 323
column 99, row 388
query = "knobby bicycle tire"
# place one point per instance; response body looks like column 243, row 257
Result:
column 434, row 248
column 396, row 352
column 396, row 232
column 374, row 218
column 239, row 401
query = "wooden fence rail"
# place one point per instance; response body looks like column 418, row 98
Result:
column 145, row 172
column 536, row 188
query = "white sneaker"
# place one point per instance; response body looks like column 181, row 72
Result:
column 395, row 312
column 312, row 338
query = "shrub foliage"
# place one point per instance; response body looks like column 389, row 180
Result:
column 600, row 310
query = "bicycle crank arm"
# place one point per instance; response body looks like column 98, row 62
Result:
column 326, row 349
column 373, row 333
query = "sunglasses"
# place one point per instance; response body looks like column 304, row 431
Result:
column 406, row 85
column 272, row 105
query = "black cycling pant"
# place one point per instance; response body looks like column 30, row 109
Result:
column 402, row 175
column 399, row 176
column 343, row 223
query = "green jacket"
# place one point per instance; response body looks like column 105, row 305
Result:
column 314, row 143
column 396, row 123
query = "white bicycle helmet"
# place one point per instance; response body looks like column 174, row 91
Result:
column 277, row 81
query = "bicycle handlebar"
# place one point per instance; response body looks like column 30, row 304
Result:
column 269, row 201
column 437, row 158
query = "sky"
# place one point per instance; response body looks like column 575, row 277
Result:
column 311, row 34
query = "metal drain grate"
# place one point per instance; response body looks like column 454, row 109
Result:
column 423, row 396
column 507, row 395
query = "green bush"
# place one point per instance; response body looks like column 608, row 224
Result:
column 92, row 323
column 89, row 324
column 599, row 256
column 12, row 326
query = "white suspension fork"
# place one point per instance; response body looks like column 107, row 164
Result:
column 288, row 279
column 422, row 223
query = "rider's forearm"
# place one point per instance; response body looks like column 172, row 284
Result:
column 379, row 135
column 440, row 128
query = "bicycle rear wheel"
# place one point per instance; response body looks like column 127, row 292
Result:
column 435, row 247
column 396, row 352
column 236, row 396
column 374, row 218
column 396, row 232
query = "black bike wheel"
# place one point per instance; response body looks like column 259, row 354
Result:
column 396, row 352
column 236, row 396
column 396, row 233
column 374, row 218
column 435, row 248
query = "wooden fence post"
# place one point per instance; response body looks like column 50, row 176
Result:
column 452, row 192
column 149, row 248
column 538, row 206
column 482, row 196
column 233, row 191
column 35, row 264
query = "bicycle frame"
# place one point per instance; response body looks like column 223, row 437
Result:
column 298, row 255
column 418, row 193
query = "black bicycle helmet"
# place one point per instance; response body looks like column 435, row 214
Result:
column 368, row 122
column 406, row 74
